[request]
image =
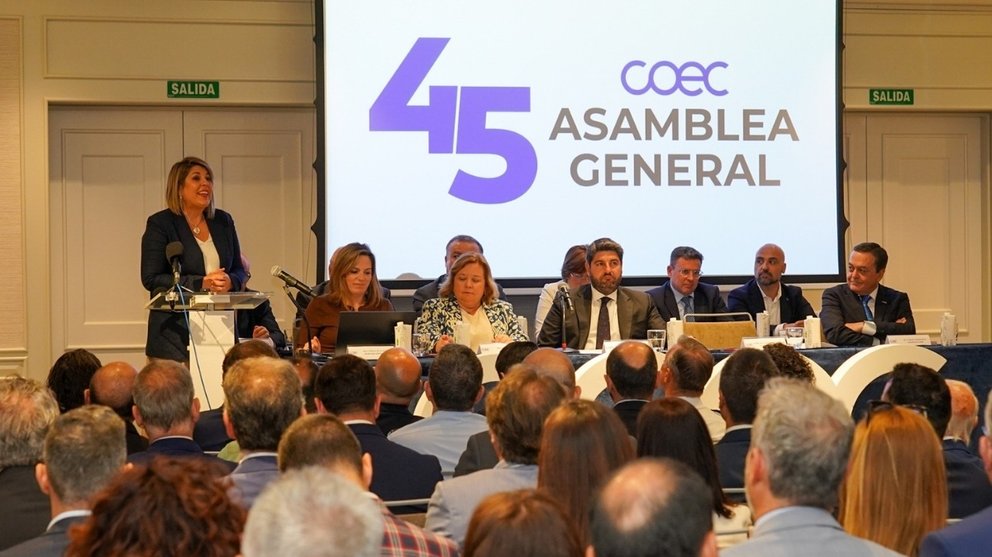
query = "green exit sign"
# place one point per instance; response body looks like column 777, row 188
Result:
column 890, row 96
column 193, row 89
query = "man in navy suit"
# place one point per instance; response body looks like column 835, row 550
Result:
column 345, row 387
column 682, row 293
column 631, row 378
column 968, row 487
column 784, row 303
column 973, row 535
column 864, row 312
column 84, row 450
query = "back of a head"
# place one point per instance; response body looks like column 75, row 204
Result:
column 652, row 508
column 964, row 410
column 313, row 512
column 27, row 410
column 112, row 386
column 743, row 376
column 247, row 349
column 516, row 410
column 84, row 450
column 346, row 384
column 513, row 353
column 524, row 523
column 789, row 362
column 192, row 513
column 398, row 374
column 690, row 363
column 320, row 440
column 70, row 376
column 582, row 444
column 633, row 368
column 921, row 386
column 455, row 378
column 896, row 469
column 805, row 437
column 554, row 364
column 263, row 396
column 163, row 393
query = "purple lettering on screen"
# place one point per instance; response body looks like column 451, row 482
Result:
column 680, row 78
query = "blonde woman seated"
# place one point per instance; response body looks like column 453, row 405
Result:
column 895, row 491
column 468, row 295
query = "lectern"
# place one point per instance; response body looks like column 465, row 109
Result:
column 212, row 332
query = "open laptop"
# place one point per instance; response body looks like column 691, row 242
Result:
column 369, row 328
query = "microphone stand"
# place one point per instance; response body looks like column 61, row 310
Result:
column 303, row 316
column 564, row 308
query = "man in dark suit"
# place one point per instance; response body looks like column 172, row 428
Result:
column 589, row 320
column 743, row 376
column 398, row 379
column 462, row 243
column 864, row 312
column 631, row 378
column 165, row 406
column 84, row 450
column 111, row 386
column 259, row 323
column 973, row 535
column 968, row 486
column 27, row 410
column 784, row 303
column 682, row 293
column 345, row 387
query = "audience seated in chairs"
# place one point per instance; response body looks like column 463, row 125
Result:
column 790, row 362
column 398, row 381
column 895, row 467
column 631, row 378
column 510, row 355
column 70, row 376
column 582, row 444
column 672, row 428
column 325, row 441
column 112, row 386
column 687, row 367
column 524, row 523
column 172, row 506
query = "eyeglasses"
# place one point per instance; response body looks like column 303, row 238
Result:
column 876, row 406
column 687, row 273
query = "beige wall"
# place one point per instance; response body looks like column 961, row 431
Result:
column 121, row 52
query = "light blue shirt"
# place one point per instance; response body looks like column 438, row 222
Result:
column 444, row 435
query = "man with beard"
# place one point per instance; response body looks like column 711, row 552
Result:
column 602, row 310
column 784, row 303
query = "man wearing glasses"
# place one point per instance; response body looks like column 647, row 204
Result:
column 683, row 293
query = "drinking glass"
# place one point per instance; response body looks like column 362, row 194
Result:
column 656, row 338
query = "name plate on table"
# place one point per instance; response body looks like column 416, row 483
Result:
column 367, row 352
column 918, row 340
column 491, row 347
column 760, row 342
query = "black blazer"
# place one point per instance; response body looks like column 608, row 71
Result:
column 262, row 315
column 52, row 543
column 731, row 451
column 627, row 411
column 24, row 509
column 635, row 311
column 706, row 299
column 841, row 305
column 397, row 472
column 168, row 337
column 968, row 487
column 479, row 454
column 793, row 306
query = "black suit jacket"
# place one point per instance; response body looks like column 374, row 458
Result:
column 731, row 452
column 394, row 416
column 479, row 455
column 706, row 299
column 841, row 305
column 177, row 447
column 635, row 311
column 628, row 410
column 209, row 431
column 24, row 509
column 168, row 337
column 262, row 315
column 397, row 472
column 792, row 306
column 968, row 488
column 52, row 543
column 133, row 440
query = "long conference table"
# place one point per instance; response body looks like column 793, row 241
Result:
column 971, row 363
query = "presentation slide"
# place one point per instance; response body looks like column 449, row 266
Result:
column 533, row 126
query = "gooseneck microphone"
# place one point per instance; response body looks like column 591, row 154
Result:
column 292, row 281
column 174, row 255
column 563, row 292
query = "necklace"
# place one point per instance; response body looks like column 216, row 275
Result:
column 196, row 227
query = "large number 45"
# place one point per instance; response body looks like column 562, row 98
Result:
column 392, row 111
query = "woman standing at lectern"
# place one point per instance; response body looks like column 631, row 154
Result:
column 211, row 256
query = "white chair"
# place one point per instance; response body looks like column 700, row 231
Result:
column 425, row 408
column 591, row 377
column 858, row 371
column 711, row 392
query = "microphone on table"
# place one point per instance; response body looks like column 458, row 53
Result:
column 563, row 292
column 292, row 281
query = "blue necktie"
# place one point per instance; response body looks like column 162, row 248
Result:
column 864, row 303
column 686, row 306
